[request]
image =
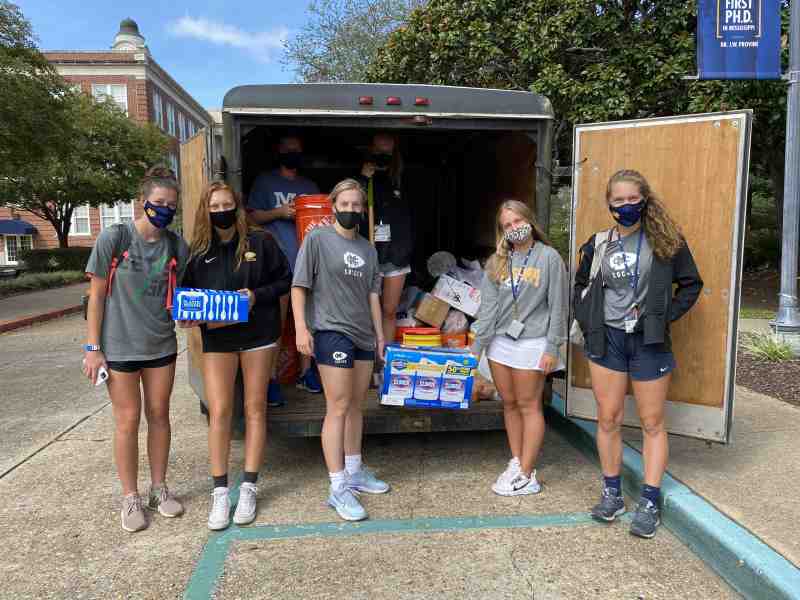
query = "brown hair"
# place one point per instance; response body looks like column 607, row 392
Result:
column 662, row 232
column 158, row 176
column 201, row 238
column 345, row 185
column 497, row 265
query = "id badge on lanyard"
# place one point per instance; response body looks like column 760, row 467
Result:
column 633, row 313
column 516, row 328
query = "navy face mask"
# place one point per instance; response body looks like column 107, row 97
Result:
column 159, row 216
column 291, row 160
column 629, row 214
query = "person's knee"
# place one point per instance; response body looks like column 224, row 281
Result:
column 389, row 310
column 256, row 410
column 510, row 401
column 338, row 407
column 610, row 421
column 220, row 415
column 529, row 406
column 127, row 423
column 653, row 426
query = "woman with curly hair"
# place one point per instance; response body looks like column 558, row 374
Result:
column 625, row 309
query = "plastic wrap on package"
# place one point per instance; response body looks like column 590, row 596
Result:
column 483, row 389
column 473, row 277
column 456, row 322
column 408, row 320
column 409, row 299
column 440, row 263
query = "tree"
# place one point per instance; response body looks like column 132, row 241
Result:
column 32, row 96
column 341, row 37
column 595, row 61
column 104, row 162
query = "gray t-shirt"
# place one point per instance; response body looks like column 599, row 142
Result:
column 619, row 266
column 136, row 322
column 340, row 274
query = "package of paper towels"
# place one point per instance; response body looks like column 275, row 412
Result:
column 192, row 304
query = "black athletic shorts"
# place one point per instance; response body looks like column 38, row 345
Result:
column 335, row 349
column 132, row 366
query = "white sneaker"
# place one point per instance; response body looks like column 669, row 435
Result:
column 246, row 507
column 519, row 486
column 512, row 470
column 220, row 515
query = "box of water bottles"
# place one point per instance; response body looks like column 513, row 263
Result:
column 428, row 377
column 218, row 306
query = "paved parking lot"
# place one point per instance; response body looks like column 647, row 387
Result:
column 440, row 533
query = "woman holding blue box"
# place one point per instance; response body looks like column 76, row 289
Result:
column 336, row 286
column 521, row 323
column 228, row 255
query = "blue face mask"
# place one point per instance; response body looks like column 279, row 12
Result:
column 629, row 214
column 159, row 216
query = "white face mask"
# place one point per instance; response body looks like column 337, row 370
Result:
column 519, row 234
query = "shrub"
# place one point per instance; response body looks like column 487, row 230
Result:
column 39, row 281
column 768, row 346
column 56, row 259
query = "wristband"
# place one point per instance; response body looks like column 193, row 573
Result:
column 91, row 348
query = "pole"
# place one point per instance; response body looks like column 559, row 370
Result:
column 788, row 320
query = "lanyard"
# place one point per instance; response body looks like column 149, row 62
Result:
column 634, row 277
column 515, row 286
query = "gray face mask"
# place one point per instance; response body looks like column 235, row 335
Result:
column 519, row 234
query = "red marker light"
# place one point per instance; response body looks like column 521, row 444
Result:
column 421, row 102
column 365, row 100
column 393, row 101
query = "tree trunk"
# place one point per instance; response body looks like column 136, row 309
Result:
column 62, row 230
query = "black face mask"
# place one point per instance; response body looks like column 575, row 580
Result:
column 348, row 219
column 223, row 219
column 380, row 159
column 291, row 160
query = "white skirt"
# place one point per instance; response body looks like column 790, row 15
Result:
column 519, row 354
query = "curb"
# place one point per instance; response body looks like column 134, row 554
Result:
column 746, row 563
column 40, row 318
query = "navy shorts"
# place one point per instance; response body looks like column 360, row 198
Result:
column 627, row 353
column 132, row 366
column 335, row 349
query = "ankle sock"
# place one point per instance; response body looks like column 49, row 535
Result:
column 352, row 464
column 614, row 483
column 338, row 480
column 220, row 480
column 515, row 461
column 651, row 493
column 250, row 476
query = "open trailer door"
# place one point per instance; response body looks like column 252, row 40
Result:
column 698, row 164
column 195, row 169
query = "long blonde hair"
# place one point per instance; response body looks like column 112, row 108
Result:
column 203, row 229
column 497, row 265
column 663, row 233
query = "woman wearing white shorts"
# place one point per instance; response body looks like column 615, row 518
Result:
column 522, row 322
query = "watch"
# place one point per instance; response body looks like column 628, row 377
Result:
column 91, row 348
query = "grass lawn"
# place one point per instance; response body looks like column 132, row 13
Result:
column 756, row 313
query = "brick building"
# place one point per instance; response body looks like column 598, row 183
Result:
column 134, row 80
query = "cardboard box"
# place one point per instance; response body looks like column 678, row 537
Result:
column 428, row 378
column 432, row 311
column 458, row 294
column 192, row 304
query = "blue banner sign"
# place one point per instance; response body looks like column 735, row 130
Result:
column 739, row 39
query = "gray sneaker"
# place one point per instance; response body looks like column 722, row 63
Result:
column 164, row 502
column 610, row 507
column 365, row 481
column 132, row 515
column 645, row 520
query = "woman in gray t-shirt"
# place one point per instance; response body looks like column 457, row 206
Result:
column 337, row 314
column 134, row 269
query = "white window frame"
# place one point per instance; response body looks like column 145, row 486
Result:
column 101, row 90
column 158, row 110
column 18, row 243
column 73, row 230
column 171, row 119
column 181, row 127
column 115, row 211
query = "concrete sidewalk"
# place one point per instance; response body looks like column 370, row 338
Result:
column 35, row 307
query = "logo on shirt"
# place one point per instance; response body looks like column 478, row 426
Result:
column 531, row 276
column 340, row 357
column 622, row 261
column 282, row 199
column 353, row 262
